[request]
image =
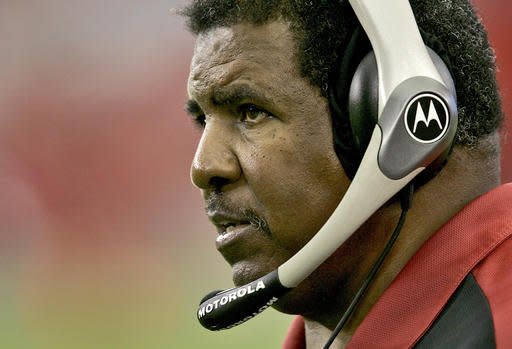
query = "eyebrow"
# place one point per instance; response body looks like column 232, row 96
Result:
column 225, row 96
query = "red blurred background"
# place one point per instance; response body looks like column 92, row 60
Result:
column 96, row 205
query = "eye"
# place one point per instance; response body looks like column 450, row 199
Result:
column 196, row 114
column 199, row 120
column 251, row 115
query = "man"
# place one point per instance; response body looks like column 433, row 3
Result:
column 269, row 165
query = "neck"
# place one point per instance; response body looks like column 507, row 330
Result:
column 317, row 335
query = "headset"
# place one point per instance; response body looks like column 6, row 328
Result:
column 409, row 88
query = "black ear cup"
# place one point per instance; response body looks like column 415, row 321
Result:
column 339, row 88
column 363, row 102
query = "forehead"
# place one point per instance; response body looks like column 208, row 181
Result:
column 224, row 53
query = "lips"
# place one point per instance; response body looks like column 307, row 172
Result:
column 235, row 232
column 229, row 227
column 226, row 222
column 244, row 242
column 232, row 232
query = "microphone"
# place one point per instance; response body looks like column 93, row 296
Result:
column 225, row 309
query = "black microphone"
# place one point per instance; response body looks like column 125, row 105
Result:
column 221, row 310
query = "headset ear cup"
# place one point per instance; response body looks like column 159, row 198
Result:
column 339, row 87
column 363, row 108
column 353, row 99
column 363, row 102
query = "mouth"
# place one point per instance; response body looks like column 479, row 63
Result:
column 244, row 237
column 240, row 244
column 245, row 242
column 233, row 231
column 230, row 231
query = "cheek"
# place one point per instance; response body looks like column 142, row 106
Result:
column 297, row 181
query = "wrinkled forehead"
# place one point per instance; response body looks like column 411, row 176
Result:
column 212, row 45
column 268, row 44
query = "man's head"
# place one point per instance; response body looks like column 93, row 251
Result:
column 266, row 162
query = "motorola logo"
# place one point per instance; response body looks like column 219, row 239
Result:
column 427, row 118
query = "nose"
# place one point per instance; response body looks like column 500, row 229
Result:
column 215, row 164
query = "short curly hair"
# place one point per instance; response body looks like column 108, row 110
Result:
column 322, row 29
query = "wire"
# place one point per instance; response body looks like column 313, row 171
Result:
column 405, row 201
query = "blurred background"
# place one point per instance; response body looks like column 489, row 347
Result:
column 103, row 240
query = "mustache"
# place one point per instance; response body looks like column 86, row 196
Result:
column 218, row 202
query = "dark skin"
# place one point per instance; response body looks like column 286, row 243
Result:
column 270, row 177
column 254, row 141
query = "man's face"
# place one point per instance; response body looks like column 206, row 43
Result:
column 266, row 163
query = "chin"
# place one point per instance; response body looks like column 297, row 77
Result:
column 245, row 272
